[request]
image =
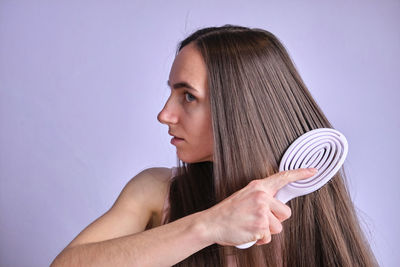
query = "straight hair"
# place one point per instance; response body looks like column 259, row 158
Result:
column 259, row 106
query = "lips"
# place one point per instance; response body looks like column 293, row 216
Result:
column 171, row 134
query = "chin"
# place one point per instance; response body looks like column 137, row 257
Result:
column 191, row 159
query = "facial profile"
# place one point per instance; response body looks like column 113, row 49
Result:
column 187, row 110
column 259, row 104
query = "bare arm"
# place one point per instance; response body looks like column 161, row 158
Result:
column 249, row 214
column 118, row 238
column 165, row 245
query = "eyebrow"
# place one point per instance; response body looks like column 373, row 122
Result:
column 182, row 85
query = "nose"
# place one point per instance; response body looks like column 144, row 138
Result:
column 168, row 114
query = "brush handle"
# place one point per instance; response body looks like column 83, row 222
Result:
column 246, row 245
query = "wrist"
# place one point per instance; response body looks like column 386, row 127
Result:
column 202, row 229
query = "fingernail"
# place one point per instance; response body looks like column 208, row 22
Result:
column 313, row 170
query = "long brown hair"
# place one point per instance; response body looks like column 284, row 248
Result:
column 259, row 106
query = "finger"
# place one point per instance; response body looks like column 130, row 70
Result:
column 275, row 226
column 280, row 179
column 265, row 240
column 281, row 211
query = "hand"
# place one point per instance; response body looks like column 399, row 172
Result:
column 252, row 213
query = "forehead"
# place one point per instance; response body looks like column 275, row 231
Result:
column 189, row 67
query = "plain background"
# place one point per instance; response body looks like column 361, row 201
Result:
column 81, row 84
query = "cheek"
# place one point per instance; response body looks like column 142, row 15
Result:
column 204, row 133
column 199, row 128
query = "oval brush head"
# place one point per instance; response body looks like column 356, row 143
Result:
column 324, row 149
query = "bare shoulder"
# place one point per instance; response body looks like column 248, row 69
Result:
column 155, row 176
column 159, row 174
column 152, row 185
column 138, row 206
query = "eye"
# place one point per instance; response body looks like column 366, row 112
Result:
column 190, row 96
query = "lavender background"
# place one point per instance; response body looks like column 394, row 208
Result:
column 81, row 84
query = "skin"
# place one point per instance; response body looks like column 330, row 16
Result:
column 188, row 115
column 252, row 213
column 187, row 112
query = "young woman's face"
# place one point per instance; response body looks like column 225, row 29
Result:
column 187, row 110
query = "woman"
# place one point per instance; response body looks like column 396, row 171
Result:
column 236, row 104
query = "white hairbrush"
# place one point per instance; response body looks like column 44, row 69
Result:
column 324, row 149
